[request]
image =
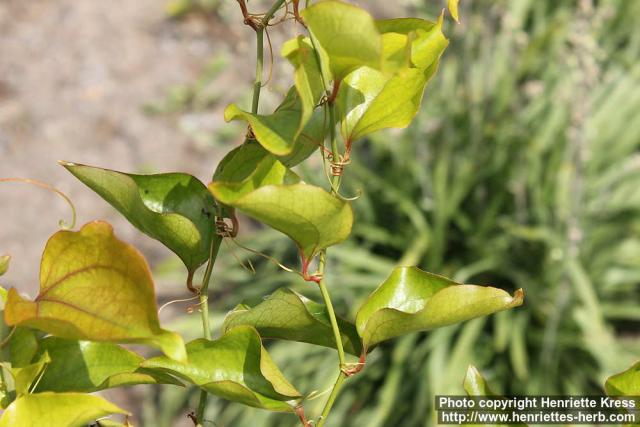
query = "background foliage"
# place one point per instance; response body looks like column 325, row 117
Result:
column 524, row 171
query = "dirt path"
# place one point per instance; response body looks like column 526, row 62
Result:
column 73, row 78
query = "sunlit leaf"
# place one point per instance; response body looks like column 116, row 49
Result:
column 235, row 367
column 25, row 376
column 425, row 38
column 346, row 34
column 4, row 264
column 287, row 132
column 84, row 366
column 266, row 171
column 475, row 384
column 452, row 5
column 626, row 383
column 20, row 345
column 57, row 410
column 94, row 287
column 307, row 76
column 371, row 101
column 174, row 208
column 288, row 315
column 311, row 216
column 413, row 300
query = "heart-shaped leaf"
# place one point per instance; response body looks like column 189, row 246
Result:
column 626, row 383
column 288, row 315
column 309, row 215
column 286, row 133
column 425, row 40
column 346, row 34
column 4, row 264
column 235, row 367
column 307, row 76
column 85, row 366
column 413, row 300
column 94, row 287
column 57, row 410
column 174, row 208
column 370, row 100
column 20, row 344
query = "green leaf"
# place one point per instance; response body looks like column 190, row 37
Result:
column 425, row 38
column 346, row 34
column 369, row 101
column 452, row 5
column 309, row 215
column 288, row 315
column 20, row 344
column 307, row 76
column 626, row 383
column 174, row 208
column 21, row 347
column 413, row 300
column 4, row 264
column 291, row 132
column 85, row 366
column 235, row 367
column 266, row 171
column 94, row 287
column 57, row 410
column 25, row 376
column 475, row 384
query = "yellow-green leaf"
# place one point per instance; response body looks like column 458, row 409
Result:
column 309, row 215
column 626, row 383
column 346, row 34
column 4, row 264
column 173, row 208
column 475, row 384
column 94, row 287
column 452, row 5
column 103, row 365
column 288, row 315
column 57, row 410
column 307, row 77
column 235, row 367
column 369, row 101
column 413, row 300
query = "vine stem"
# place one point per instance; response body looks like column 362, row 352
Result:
column 215, row 244
column 335, row 184
column 204, row 310
column 257, row 85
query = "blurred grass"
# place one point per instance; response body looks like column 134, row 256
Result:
column 522, row 171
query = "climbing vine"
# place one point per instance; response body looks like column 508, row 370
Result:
column 352, row 76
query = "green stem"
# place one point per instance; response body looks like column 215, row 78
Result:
column 204, row 310
column 257, row 85
column 335, row 184
column 332, row 398
column 332, row 315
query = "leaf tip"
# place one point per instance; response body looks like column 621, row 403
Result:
column 518, row 298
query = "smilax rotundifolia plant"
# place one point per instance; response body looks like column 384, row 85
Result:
column 352, row 76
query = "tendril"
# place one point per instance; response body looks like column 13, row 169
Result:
column 165, row 305
column 61, row 223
